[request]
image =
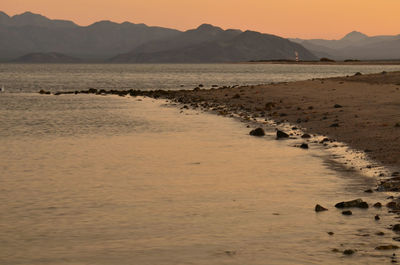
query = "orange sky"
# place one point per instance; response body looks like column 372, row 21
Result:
column 288, row 18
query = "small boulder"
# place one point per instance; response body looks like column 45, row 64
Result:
column 347, row 212
column 378, row 205
column 304, row 146
column 334, row 125
column 319, row 208
column 358, row 203
column 257, row 132
column 306, row 136
column 377, row 218
column 396, row 228
column 281, row 135
column 337, row 106
column 348, row 252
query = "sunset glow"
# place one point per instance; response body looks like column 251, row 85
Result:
column 288, row 18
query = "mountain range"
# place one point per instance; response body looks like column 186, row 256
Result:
column 355, row 45
column 32, row 37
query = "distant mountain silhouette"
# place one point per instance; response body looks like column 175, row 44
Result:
column 355, row 45
column 32, row 33
column 51, row 57
column 33, row 37
column 208, row 43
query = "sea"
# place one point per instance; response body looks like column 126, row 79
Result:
column 107, row 180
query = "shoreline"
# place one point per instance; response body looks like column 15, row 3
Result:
column 362, row 111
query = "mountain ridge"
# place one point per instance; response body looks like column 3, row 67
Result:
column 355, row 45
column 35, row 36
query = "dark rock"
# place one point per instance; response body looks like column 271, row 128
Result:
column 378, row 205
column 393, row 205
column 396, row 238
column 387, row 247
column 196, row 89
column 319, row 208
column 347, row 213
column 281, row 135
column 331, row 233
column 377, row 217
column 257, row 132
column 304, row 146
column 395, row 174
column 310, row 107
column 334, row 125
column 358, row 203
column 348, row 252
column 380, row 234
column 236, row 96
column 306, row 136
column 336, row 106
column 201, row 85
column 368, row 191
column 396, row 228
column 358, row 73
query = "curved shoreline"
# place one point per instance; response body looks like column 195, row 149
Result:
column 362, row 111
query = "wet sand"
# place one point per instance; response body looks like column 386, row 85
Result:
column 362, row 111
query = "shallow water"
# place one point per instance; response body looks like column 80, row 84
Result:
column 111, row 180
column 58, row 77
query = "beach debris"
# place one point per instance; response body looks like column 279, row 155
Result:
column 337, row 106
column 378, row 205
column 319, row 208
column 377, row 218
column 304, row 146
column 347, row 212
column 281, row 135
column 348, row 252
column 387, row 247
column 358, row 203
column 306, row 136
column 257, row 132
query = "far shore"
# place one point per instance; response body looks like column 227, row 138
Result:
column 349, row 62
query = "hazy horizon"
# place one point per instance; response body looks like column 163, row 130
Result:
column 290, row 19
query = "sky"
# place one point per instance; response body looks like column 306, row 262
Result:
column 329, row 19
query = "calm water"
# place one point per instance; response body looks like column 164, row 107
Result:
column 110, row 180
column 56, row 77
